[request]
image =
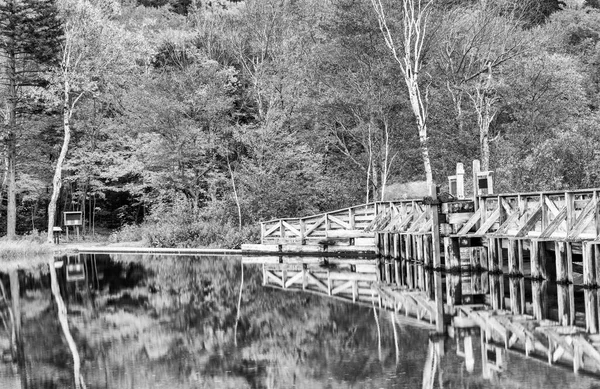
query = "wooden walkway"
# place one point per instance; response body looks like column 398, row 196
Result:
column 423, row 245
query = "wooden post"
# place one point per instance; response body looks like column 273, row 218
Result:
column 513, row 254
column 427, row 250
column 435, row 235
column 569, row 250
column 534, row 257
column 452, row 253
column 589, row 272
column 407, row 247
column 493, row 256
column 419, row 242
column 302, row 231
column 262, row 233
column 571, row 291
column 460, row 181
column 500, row 263
column 386, row 244
column 597, row 261
column 351, row 218
column 561, row 262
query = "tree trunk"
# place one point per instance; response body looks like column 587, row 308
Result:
column 484, row 140
column 425, row 155
column 11, row 213
column 57, row 181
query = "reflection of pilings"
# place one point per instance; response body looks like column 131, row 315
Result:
column 439, row 303
column 453, row 289
column 591, row 310
column 516, row 287
column 566, row 304
column 539, row 299
column 497, row 291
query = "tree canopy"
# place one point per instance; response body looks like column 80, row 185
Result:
column 210, row 116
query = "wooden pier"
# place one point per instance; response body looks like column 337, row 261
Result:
column 548, row 240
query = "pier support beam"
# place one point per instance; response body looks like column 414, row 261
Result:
column 494, row 255
column 497, row 291
column 589, row 264
column 564, row 262
column 515, row 257
column 539, row 299
column 538, row 256
column 452, row 253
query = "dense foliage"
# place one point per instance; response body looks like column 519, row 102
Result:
column 198, row 119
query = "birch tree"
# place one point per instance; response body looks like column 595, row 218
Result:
column 90, row 47
column 408, row 51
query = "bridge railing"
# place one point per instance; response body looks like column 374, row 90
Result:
column 550, row 215
column 345, row 222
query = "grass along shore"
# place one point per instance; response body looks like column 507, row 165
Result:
column 18, row 249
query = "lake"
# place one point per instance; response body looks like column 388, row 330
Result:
column 150, row 321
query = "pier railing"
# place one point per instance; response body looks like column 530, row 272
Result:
column 552, row 215
column 356, row 222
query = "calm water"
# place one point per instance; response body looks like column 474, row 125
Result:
column 181, row 322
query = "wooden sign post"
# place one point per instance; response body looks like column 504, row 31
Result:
column 456, row 183
column 72, row 219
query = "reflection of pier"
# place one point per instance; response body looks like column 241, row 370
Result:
column 493, row 312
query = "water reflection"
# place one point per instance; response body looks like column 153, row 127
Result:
column 215, row 322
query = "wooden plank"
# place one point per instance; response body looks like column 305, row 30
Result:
column 295, row 278
column 339, row 222
column 344, row 286
column 551, row 206
column 535, row 217
column 471, row 223
column 503, row 228
column 260, row 248
column 316, row 225
column 271, row 230
column 317, row 282
column 349, row 234
column 417, row 223
column 554, row 224
column 589, row 273
column 291, row 228
column 583, row 221
column 272, row 276
column 490, row 221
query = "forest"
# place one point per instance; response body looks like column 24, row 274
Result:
column 184, row 123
